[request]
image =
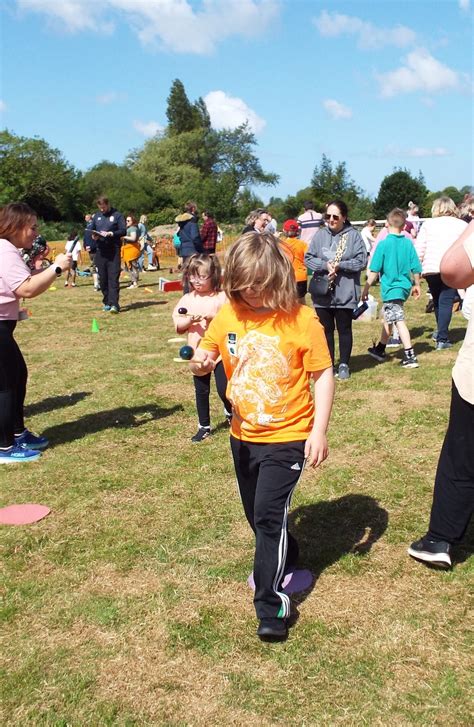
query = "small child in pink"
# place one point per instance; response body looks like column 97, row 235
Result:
column 198, row 308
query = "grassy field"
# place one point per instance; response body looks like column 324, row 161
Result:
column 128, row 605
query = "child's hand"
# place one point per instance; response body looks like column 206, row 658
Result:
column 203, row 362
column 365, row 294
column 416, row 291
column 316, row 448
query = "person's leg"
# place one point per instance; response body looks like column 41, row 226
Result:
column 280, row 468
column 445, row 311
column 133, row 269
column 246, row 464
column 326, row 317
column 404, row 334
column 101, row 263
column 9, row 397
column 344, row 329
column 19, row 392
column 434, row 286
column 453, row 496
column 202, row 387
column 221, row 386
column 113, row 271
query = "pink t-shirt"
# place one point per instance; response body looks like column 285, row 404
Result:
column 13, row 272
column 202, row 305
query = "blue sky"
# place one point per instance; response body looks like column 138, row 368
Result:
column 378, row 84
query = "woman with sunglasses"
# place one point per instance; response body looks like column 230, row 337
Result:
column 336, row 254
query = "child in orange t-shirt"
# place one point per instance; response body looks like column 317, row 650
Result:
column 271, row 347
column 297, row 250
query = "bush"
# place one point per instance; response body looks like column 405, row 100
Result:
column 59, row 230
column 164, row 216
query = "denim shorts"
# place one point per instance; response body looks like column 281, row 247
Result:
column 393, row 311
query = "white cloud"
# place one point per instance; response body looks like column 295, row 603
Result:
column 369, row 36
column 420, row 72
column 337, row 110
column 3, row 106
column 394, row 151
column 229, row 111
column 421, row 151
column 147, row 128
column 105, row 99
column 162, row 21
column 465, row 5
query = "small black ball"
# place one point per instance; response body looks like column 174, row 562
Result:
column 182, row 311
column 186, row 353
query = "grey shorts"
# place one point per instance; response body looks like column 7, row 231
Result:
column 393, row 311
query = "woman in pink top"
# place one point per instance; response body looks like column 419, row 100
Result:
column 192, row 314
column 18, row 229
column 434, row 239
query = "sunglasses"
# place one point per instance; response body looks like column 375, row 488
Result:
column 332, row 217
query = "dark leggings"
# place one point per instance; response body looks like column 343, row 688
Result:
column 202, row 386
column 453, row 497
column 443, row 299
column 341, row 318
column 13, row 377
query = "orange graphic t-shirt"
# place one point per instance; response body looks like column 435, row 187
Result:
column 267, row 359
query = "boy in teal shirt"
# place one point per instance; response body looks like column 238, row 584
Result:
column 396, row 260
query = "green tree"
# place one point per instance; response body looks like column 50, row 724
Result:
column 182, row 114
column 397, row 190
column 333, row 182
column 126, row 190
column 32, row 171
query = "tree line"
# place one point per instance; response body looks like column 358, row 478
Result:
column 188, row 160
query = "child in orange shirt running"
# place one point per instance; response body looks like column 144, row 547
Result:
column 271, row 348
column 297, row 249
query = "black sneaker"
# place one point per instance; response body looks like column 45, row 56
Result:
column 272, row 629
column 409, row 362
column 376, row 354
column 201, row 434
column 434, row 552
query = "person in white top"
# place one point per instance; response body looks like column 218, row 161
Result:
column 73, row 245
column 367, row 234
column 309, row 222
column 435, row 237
column 453, row 496
column 412, row 216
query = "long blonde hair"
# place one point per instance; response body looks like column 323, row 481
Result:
column 258, row 261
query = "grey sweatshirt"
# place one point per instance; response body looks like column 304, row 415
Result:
column 322, row 248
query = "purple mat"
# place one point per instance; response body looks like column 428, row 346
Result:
column 293, row 582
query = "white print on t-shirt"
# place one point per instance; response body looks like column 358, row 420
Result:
column 256, row 381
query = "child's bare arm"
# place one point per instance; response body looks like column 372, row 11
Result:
column 416, row 290
column 371, row 278
column 204, row 362
column 316, row 447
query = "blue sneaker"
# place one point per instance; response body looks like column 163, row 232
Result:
column 106, row 308
column 17, row 453
column 28, row 440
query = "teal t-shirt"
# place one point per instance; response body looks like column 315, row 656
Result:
column 395, row 259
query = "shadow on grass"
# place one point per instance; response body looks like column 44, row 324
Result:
column 55, row 402
column 464, row 550
column 142, row 304
column 119, row 418
column 327, row 531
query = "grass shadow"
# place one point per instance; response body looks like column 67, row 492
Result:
column 142, row 304
column 119, row 418
column 326, row 531
column 55, row 402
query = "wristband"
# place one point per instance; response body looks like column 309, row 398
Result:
column 58, row 271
